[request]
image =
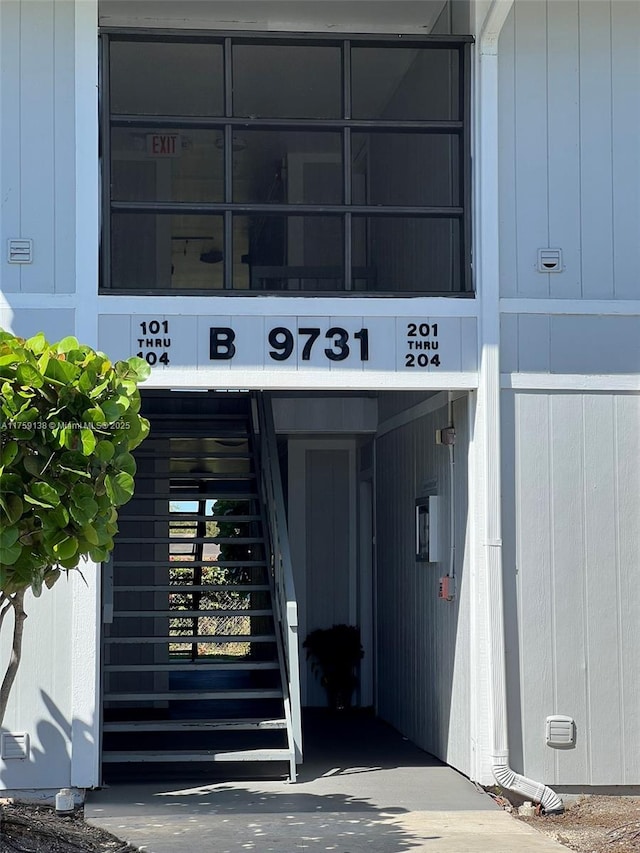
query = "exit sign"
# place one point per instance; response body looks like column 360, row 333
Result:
column 164, row 144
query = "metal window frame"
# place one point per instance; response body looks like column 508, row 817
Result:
column 460, row 127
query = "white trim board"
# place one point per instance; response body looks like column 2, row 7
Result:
column 310, row 381
column 623, row 307
column 613, row 382
column 290, row 306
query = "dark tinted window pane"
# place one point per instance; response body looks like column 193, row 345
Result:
column 405, row 169
column 283, row 81
column 294, row 167
column 401, row 254
column 148, row 164
column 166, row 252
column 289, row 252
column 164, row 78
column 404, row 83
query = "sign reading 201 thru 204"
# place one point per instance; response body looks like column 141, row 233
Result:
column 372, row 343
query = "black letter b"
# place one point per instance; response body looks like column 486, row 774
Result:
column 221, row 346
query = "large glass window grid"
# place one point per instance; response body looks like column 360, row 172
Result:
column 358, row 214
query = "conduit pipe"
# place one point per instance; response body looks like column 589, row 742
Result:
column 452, row 495
column 487, row 240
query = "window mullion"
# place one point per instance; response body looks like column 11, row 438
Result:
column 228, row 166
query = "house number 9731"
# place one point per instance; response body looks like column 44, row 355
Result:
column 336, row 344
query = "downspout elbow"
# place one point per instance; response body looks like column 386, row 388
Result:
column 535, row 791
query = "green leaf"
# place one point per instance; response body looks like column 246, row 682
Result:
column 33, row 464
column 12, row 506
column 8, row 556
column 59, row 516
column 67, row 344
column 81, row 492
column 104, row 451
column 62, row 372
column 119, row 488
column 11, row 483
column 28, row 375
column 27, row 415
column 72, row 460
column 94, row 415
column 125, row 462
column 37, row 344
column 113, row 410
column 99, row 555
column 87, row 441
column 9, row 536
column 9, row 453
column 90, row 534
column 44, row 494
column 82, row 514
column 66, row 549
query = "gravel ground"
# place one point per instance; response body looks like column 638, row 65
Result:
column 595, row 824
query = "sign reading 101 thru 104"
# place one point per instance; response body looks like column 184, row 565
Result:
column 300, row 343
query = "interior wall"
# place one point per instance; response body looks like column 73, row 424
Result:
column 423, row 648
column 322, row 534
column 571, row 498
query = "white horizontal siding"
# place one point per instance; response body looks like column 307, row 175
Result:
column 569, row 73
column 571, row 468
column 570, row 344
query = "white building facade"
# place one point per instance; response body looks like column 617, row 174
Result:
column 394, row 217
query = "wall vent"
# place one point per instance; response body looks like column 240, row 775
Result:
column 20, row 251
column 561, row 732
column 14, row 745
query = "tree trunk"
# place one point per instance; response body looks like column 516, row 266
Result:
column 17, row 602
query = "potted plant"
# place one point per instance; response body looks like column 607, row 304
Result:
column 335, row 655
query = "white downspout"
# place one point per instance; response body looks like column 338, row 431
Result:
column 487, row 260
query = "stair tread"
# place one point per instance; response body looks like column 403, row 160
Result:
column 192, row 666
column 205, row 755
column 185, row 588
column 201, row 638
column 236, row 724
column 183, row 695
column 189, row 614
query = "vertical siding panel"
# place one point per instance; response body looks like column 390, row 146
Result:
column 423, row 670
column 507, row 158
column 628, row 534
column 533, row 524
column 64, row 147
column 602, row 592
column 564, row 145
column 37, row 140
column 9, row 139
column 625, row 37
column 595, row 146
column 568, row 555
column 532, row 219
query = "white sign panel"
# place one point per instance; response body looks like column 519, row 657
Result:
column 285, row 343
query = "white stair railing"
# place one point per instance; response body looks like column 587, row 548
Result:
column 285, row 602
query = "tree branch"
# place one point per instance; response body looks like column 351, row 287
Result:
column 17, row 602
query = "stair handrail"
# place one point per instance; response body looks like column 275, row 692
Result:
column 286, row 605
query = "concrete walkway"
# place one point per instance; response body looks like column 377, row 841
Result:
column 362, row 788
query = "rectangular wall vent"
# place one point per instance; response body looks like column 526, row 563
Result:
column 20, row 251
column 560, row 732
column 14, row 745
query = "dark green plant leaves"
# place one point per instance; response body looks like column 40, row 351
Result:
column 69, row 421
